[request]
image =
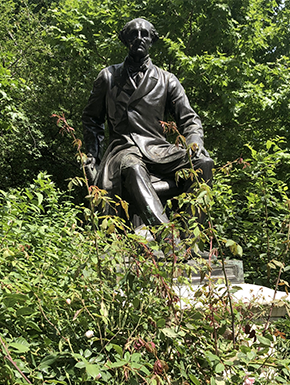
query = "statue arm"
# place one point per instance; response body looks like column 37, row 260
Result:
column 94, row 116
column 187, row 120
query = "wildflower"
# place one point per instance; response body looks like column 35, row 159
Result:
column 89, row 334
column 68, row 301
column 249, row 381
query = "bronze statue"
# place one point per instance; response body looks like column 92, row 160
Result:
column 133, row 97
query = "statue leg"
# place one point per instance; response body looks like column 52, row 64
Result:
column 137, row 182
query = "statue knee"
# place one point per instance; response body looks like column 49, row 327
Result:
column 205, row 165
column 134, row 174
column 132, row 169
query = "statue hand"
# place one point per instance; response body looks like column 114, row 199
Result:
column 201, row 150
column 198, row 150
column 91, row 168
column 90, row 161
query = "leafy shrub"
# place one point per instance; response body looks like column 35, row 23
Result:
column 84, row 306
column 252, row 208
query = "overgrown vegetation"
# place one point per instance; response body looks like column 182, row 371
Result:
column 252, row 208
column 88, row 303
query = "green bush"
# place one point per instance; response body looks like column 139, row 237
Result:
column 252, row 208
column 84, row 306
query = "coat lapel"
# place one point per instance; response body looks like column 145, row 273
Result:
column 147, row 84
column 125, row 84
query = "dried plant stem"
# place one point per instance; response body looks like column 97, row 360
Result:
column 218, row 243
column 226, row 281
column 70, row 130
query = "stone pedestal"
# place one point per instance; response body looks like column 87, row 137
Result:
column 260, row 298
column 234, row 272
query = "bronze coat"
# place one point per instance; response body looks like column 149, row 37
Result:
column 133, row 116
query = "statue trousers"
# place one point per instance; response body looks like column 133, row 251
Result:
column 137, row 182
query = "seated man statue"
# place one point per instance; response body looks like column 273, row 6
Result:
column 134, row 97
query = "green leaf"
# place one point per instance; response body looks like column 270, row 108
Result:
column 80, row 365
column 104, row 310
column 135, row 357
column 33, row 325
column 264, row 341
column 118, row 349
column 136, row 303
column 25, row 311
column 251, row 355
column 194, row 379
column 239, row 250
column 18, row 347
column 47, row 362
column 228, row 362
column 278, row 263
column 118, row 364
column 39, row 197
column 212, row 357
column 161, row 323
column 87, row 353
column 219, row 368
column 269, row 144
column 145, row 370
column 92, row 370
column 168, row 332
column 10, row 300
column 230, row 242
column 7, row 253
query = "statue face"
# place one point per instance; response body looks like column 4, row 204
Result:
column 138, row 37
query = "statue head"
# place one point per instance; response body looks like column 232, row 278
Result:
column 138, row 35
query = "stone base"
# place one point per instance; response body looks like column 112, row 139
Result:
column 260, row 298
column 234, row 271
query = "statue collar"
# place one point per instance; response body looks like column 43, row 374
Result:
column 134, row 67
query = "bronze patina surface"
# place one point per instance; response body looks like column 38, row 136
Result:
column 133, row 97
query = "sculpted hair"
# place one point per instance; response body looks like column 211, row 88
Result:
column 123, row 32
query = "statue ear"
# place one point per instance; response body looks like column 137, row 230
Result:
column 122, row 37
column 154, row 34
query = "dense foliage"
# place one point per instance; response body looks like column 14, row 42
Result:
column 70, row 314
column 252, row 208
column 232, row 58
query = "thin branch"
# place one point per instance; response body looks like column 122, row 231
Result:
column 9, row 358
